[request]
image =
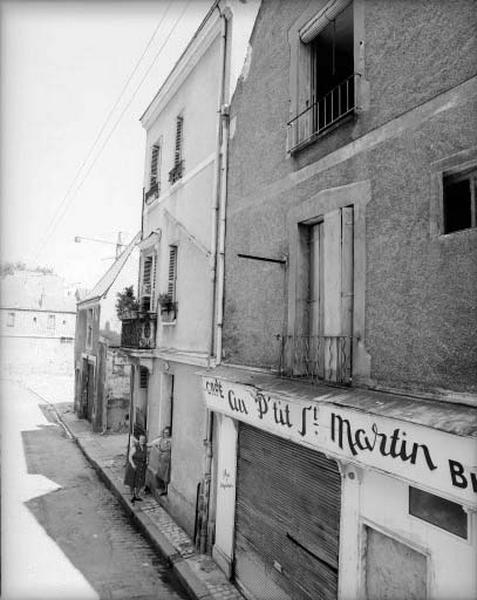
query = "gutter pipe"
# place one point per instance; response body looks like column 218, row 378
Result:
column 217, row 257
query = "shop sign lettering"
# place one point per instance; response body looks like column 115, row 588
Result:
column 421, row 454
column 294, row 420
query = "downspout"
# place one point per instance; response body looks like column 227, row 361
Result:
column 217, row 287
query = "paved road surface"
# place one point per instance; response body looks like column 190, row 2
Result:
column 64, row 534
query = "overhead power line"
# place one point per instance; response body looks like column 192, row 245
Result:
column 67, row 199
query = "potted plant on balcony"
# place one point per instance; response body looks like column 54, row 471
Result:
column 168, row 308
column 126, row 304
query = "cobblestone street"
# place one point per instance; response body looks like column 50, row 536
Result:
column 85, row 521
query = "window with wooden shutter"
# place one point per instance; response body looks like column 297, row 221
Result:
column 156, row 149
column 171, row 285
column 155, row 174
column 148, row 282
column 179, row 140
column 322, row 345
column 176, row 172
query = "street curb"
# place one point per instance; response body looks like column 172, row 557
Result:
column 179, row 565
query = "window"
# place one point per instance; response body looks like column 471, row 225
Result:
column 148, row 283
column 443, row 513
column 177, row 171
column 320, row 347
column 326, row 73
column 11, row 319
column 172, row 277
column 89, row 328
column 51, row 322
column 155, row 176
column 143, row 378
column 459, row 201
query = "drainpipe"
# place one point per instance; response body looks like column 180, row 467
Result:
column 217, row 275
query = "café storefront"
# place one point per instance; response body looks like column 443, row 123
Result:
column 330, row 493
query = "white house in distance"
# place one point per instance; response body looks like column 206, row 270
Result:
column 37, row 322
column 181, row 266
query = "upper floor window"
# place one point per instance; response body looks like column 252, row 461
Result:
column 51, row 322
column 321, row 344
column 459, row 201
column 177, row 171
column 325, row 72
column 155, row 173
column 11, row 319
column 172, row 277
column 148, row 287
column 89, row 328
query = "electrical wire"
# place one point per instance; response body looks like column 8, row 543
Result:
column 67, row 199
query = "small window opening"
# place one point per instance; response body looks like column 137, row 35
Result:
column 143, row 378
column 459, row 202
column 438, row 511
column 11, row 319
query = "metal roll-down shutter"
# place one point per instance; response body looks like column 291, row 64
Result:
column 287, row 519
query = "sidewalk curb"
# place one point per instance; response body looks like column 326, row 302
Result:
column 179, row 565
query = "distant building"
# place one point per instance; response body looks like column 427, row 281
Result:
column 37, row 323
column 36, row 305
column 102, row 370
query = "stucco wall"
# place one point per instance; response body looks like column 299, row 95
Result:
column 420, row 287
column 187, row 455
column 35, row 323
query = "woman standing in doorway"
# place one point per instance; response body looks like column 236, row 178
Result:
column 163, row 446
column 136, row 468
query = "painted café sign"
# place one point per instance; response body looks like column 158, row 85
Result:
column 416, row 453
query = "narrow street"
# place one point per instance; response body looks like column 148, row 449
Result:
column 64, row 534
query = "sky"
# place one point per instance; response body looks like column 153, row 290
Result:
column 64, row 65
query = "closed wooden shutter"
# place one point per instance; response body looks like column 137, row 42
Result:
column 287, row 519
column 171, row 286
column 156, row 151
column 179, row 140
column 149, row 282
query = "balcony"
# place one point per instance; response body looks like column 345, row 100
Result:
column 138, row 331
column 322, row 114
column 176, row 173
column 153, row 192
column 318, row 358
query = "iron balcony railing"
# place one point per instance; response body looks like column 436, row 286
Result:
column 322, row 113
column 317, row 358
column 139, row 331
column 153, row 192
column 176, row 173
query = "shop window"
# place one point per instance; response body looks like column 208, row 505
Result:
column 459, row 201
column 178, row 169
column 393, row 569
column 148, row 287
column 155, row 173
column 438, row 511
column 326, row 73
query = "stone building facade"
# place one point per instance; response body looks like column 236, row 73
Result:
column 345, row 406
